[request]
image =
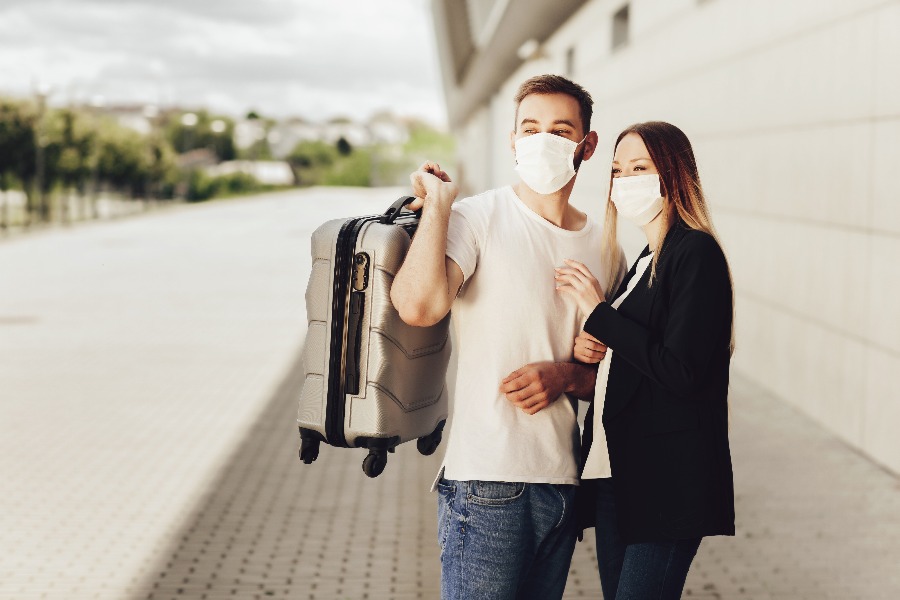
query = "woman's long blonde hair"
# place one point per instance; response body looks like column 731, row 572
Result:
column 672, row 154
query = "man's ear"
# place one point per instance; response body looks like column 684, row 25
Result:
column 590, row 145
column 512, row 142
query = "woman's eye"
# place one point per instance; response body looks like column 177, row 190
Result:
column 639, row 168
column 616, row 171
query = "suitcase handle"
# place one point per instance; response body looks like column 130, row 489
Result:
column 394, row 211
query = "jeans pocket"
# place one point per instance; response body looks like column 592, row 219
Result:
column 446, row 491
column 446, row 487
column 496, row 493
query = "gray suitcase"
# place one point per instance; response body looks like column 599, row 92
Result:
column 371, row 380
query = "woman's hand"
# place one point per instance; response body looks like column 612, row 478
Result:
column 431, row 183
column 577, row 281
column 588, row 349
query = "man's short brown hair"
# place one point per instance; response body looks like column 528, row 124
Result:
column 557, row 84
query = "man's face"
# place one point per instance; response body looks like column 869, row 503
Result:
column 557, row 114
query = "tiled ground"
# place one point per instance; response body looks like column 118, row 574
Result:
column 148, row 376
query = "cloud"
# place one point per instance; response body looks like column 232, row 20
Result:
column 255, row 11
column 285, row 55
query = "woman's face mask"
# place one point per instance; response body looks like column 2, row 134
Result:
column 545, row 162
column 637, row 198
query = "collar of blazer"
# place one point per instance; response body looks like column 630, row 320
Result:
column 623, row 377
column 673, row 236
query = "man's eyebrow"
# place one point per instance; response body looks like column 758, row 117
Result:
column 556, row 122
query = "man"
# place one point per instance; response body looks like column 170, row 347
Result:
column 506, row 489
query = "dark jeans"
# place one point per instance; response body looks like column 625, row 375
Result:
column 646, row 571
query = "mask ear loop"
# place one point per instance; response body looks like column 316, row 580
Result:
column 576, row 150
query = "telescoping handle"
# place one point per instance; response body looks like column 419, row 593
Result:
column 394, row 211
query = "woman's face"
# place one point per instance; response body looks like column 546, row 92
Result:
column 632, row 158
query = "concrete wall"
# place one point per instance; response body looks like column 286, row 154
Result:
column 793, row 107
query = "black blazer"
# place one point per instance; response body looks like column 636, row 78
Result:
column 666, row 408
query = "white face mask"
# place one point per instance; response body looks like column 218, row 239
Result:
column 545, row 162
column 637, row 198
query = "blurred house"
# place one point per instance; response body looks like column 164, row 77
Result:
column 267, row 172
column 285, row 135
column 794, row 111
column 385, row 128
column 355, row 133
column 198, row 158
column 137, row 117
column 249, row 131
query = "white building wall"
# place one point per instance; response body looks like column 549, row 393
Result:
column 475, row 151
column 793, row 107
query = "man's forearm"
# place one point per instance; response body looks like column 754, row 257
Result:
column 580, row 379
column 419, row 291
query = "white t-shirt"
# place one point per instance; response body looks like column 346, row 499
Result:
column 508, row 314
column 597, row 464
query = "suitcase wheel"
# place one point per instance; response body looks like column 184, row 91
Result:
column 374, row 463
column 429, row 443
column 309, row 450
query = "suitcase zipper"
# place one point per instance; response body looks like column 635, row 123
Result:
column 343, row 300
column 359, row 283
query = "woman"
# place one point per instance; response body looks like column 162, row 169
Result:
column 661, row 395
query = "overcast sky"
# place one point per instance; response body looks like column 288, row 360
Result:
column 310, row 58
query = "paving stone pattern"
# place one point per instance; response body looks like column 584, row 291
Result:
column 815, row 519
column 149, row 371
column 271, row 526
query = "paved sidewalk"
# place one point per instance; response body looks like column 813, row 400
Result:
column 149, row 371
column 274, row 527
column 134, row 356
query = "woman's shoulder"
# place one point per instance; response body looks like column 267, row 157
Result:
column 694, row 241
column 693, row 248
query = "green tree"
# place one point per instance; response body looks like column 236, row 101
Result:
column 17, row 143
column 75, row 139
column 162, row 170
column 123, row 159
column 203, row 134
column 311, row 160
column 353, row 170
column 17, row 138
column 18, row 147
column 343, row 146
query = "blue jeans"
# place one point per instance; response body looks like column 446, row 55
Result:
column 503, row 540
column 646, row 571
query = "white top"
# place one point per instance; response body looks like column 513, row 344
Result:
column 507, row 315
column 597, row 465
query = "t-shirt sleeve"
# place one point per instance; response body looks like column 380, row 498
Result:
column 462, row 241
